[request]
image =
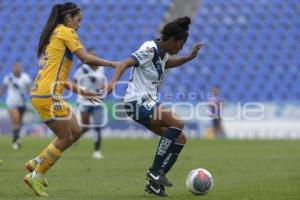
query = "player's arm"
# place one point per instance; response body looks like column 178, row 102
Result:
column 2, row 89
column 92, row 96
column 4, row 86
column 175, row 62
column 90, row 59
column 72, row 42
column 121, row 67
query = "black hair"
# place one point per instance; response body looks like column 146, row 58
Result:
column 178, row 29
column 57, row 15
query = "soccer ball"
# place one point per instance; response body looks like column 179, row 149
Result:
column 199, row 181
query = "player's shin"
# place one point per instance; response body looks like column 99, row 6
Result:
column 48, row 158
column 16, row 135
column 164, row 147
column 172, row 157
column 97, row 144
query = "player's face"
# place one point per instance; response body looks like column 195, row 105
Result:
column 75, row 21
column 176, row 46
column 17, row 69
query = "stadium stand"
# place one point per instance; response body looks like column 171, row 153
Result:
column 251, row 49
column 114, row 29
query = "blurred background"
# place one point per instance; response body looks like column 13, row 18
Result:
column 251, row 54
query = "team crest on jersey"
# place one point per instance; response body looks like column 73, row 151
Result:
column 149, row 50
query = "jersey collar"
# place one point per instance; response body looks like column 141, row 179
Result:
column 158, row 47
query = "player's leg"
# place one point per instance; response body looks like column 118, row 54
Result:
column 151, row 186
column 75, row 128
column 15, row 118
column 170, row 160
column 49, row 156
column 85, row 115
column 31, row 165
column 172, row 140
column 98, row 117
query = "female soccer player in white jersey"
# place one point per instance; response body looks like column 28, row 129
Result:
column 17, row 84
column 141, row 100
column 92, row 78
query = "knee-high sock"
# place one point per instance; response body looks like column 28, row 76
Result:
column 48, row 158
column 97, row 143
column 171, row 158
column 16, row 134
column 164, row 147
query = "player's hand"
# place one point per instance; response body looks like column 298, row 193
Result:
column 109, row 88
column 93, row 97
column 196, row 49
column 114, row 64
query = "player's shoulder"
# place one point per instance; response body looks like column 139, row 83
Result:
column 100, row 70
column 83, row 69
column 25, row 75
column 148, row 44
column 148, row 48
column 62, row 30
column 8, row 75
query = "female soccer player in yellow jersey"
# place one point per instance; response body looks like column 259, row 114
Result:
column 58, row 42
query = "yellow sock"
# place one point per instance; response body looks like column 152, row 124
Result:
column 48, row 158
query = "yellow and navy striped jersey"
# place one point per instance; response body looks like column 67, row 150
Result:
column 56, row 62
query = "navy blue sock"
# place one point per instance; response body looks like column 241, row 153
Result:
column 97, row 143
column 171, row 158
column 16, row 134
column 164, row 147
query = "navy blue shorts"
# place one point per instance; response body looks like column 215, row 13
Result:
column 140, row 113
column 22, row 110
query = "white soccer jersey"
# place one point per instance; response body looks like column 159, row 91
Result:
column 90, row 79
column 17, row 88
column 147, row 75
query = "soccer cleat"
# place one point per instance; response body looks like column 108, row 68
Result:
column 154, row 188
column 36, row 185
column 97, row 155
column 15, row 146
column 30, row 166
column 158, row 178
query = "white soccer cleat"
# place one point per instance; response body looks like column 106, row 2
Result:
column 15, row 146
column 97, row 155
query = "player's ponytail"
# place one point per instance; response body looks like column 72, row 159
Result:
column 178, row 29
column 57, row 15
column 52, row 22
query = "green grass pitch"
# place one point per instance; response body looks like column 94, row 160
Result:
column 242, row 170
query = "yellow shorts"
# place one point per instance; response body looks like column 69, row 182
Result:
column 50, row 108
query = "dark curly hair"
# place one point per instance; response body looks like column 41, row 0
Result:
column 178, row 29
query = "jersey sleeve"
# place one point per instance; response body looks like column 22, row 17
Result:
column 70, row 39
column 143, row 55
column 28, row 79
